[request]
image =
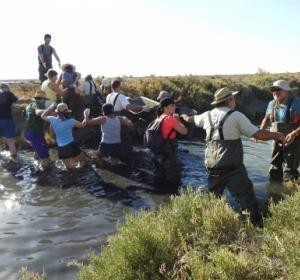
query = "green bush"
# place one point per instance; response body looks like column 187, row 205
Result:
column 200, row 237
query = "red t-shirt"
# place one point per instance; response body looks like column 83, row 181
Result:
column 168, row 124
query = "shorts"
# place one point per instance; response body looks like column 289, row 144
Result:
column 113, row 150
column 68, row 151
column 7, row 128
column 38, row 143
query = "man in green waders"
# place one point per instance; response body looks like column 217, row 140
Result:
column 283, row 114
column 224, row 150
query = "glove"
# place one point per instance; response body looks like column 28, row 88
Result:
column 146, row 109
column 86, row 112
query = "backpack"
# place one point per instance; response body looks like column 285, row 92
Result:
column 153, row 138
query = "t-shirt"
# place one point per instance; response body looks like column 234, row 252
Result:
column 281, row 110
column 68, row 78
column 121, row 102
column 7, row 98
column 167, row 125
column 236, row 124
column 46, row 52
column 34, row 123
column 50, row 94
column 63, row 130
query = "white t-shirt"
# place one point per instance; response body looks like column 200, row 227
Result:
column 121, row 102
column 236, row 124
column 84, row 88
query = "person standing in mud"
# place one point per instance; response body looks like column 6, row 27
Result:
column 34, row 127
column 283, row 114
column 166, row 165
column 63, row 124
column 110, row 145
column 7, row 125
column 224, row 150
column 121, row 103
column 45, row 52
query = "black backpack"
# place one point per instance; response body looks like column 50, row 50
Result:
column 153, row 138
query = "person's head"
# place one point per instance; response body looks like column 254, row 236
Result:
column 280, row 90
column 115, row 85
column 167, row 106
column 51, row 75
column 88, row 77
column 4, row 87
column 225, row 98
column 40, row 95
column 63, row 111
column 163, row 94
column 68, row 67
column 107, row 109
column 47, row 39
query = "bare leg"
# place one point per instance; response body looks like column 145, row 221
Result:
column 69, row 163
column 99, row 160
column 81, row 159
column 11, row 142
column 114, row 161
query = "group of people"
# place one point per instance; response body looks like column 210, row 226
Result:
column 224, row 127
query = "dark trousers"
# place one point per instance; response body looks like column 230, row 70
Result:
column 240, row 187
column 167, row 171
column 285, row 162
column 75, row 103
column 43, row 71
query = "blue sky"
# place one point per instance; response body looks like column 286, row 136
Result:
column 139, row 38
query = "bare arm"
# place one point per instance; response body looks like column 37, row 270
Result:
column 126, row 122
column 188, row 119
column 56, row 56
column 56, row 89
column 265, row 122
column 83, row 124
column 39, row 112
column 99, row 120
column 265, row 135
column 134, row 108
column 45, row 114
column 41, row 56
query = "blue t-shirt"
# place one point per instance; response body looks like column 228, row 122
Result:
column 63, row 130
column 68, row 78
column 281, row 110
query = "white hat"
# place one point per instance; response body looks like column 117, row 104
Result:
column 106, row 82
column 222, row 95
column 282, row 84
column 163, row 94
column 62, row 108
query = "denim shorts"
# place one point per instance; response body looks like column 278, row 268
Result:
column 38, row 143
column 7, row 128
column 113, row 150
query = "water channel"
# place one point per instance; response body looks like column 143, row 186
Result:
column 49, row 220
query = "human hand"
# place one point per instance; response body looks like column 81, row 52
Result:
column 146, row 109
column 52, row 107
column 86, row 112
column 289, row 139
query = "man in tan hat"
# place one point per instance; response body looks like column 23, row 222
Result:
column 224, row 150
column 34, row 127
column 283, row 114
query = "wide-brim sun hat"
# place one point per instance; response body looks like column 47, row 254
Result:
column 280, row 84
column 40, row 94
column 68, row 65
column 223, row 94
column 62, row 108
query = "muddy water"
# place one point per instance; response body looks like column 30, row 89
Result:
column 51, row 219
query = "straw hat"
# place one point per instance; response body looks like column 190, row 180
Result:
column 222, row 95
column 40, row 94
column 62, row 108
